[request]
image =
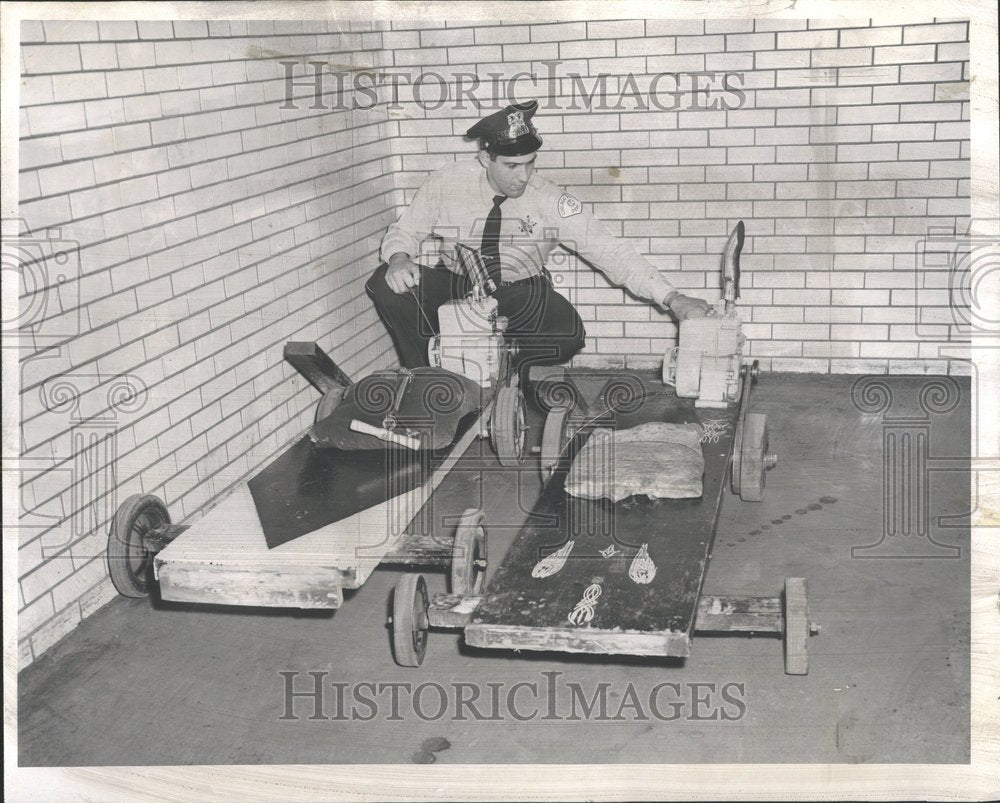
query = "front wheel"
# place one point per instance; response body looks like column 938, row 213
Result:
column 129, row 562
column 409, row 620
column 554, row 439
column 507, row 426
column 468, row 555
column 755, row 458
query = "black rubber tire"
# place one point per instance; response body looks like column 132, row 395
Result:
column 129, row 563
column 409, row 620
column 553, row 441
column 507, row 426
column 735, row 468
column 796, row 626
column 467, row 574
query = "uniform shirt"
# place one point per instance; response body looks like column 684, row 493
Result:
column 452, row 204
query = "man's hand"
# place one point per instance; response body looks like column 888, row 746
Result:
column 402, row 273
column 688, row 307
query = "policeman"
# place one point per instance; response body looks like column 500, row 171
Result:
column 499, row 206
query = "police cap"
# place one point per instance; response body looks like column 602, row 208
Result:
column 508, row 132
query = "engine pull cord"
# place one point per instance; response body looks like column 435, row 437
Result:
column 423, row 313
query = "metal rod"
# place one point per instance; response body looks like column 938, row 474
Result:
column 430, row 326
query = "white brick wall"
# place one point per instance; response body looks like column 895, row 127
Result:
column 213, row 225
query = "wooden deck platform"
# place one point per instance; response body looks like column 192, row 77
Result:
column 224, row 558
column 519, row 611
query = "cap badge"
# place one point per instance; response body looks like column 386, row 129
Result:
column 516, row 127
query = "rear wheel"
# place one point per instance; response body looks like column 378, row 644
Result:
column 129, row 562
column 796, row 626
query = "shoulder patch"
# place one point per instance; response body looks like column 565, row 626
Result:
column 569, row 206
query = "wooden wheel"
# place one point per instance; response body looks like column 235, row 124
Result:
column 468, row 556
column 755, row 459
column 507, row 426
column 328, row 403
column 554, row 437
column 129, row 562
column 796, row 626
column 409, row 620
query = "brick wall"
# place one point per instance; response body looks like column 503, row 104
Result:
column 211, row 225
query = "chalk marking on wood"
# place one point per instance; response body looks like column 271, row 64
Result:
column 551, row 564
column 642, row 570
column 584, row 610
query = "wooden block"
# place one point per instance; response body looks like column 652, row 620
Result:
column 422, row 549
column 273, row 587
column 579, row 639
column 739, row 615
column 451, row 610
column 315, row 365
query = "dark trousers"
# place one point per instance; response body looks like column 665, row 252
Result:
column 543, row 324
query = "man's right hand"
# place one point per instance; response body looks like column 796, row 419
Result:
column 402, row 274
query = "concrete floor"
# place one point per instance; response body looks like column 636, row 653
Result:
column 888, row 682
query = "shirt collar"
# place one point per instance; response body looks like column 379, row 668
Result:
column 485, row 190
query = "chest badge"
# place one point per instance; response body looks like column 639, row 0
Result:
column 528, row 225
column 569, row 206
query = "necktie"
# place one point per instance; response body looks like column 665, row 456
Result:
column 490, row 250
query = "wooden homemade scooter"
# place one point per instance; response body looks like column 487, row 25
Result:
column 628, row 574
column 227, row 557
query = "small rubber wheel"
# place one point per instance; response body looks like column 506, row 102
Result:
column 553, row 440
column 329, row 403
column 128, row 561
column 796, row 626
column 754, row 372
column 409, row 620
column 507, row 426
column 752, row 451
column 468, row 556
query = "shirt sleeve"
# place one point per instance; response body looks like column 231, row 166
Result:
column 616, row 257
column 415, row 223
